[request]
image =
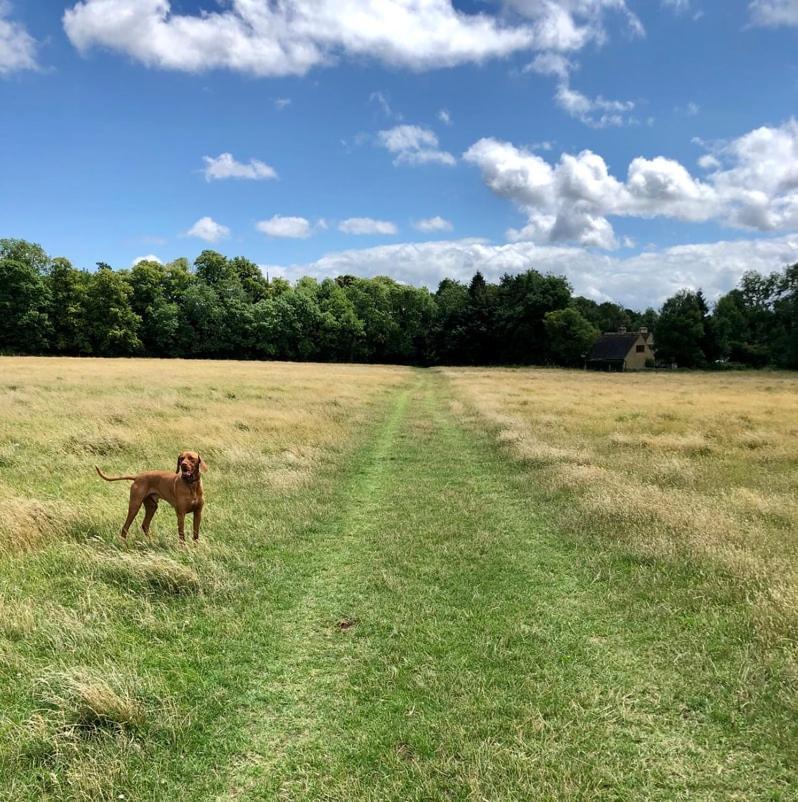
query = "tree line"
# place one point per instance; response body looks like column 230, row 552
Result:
column 224, row 308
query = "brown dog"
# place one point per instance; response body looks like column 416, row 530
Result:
column 182, row 489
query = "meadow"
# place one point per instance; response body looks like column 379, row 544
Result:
column 465, row 584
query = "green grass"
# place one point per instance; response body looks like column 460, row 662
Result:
column 408, row 623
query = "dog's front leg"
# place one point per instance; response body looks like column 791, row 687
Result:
column 181, row 524
column 197, row 522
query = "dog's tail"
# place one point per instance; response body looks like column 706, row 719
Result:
column 113, row 478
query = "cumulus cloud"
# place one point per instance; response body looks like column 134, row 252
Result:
column 366, row 225
column 17, row 46
column 208, row 229
column 287, row 227
column 266, row 38
column 773, row 13
column 752, row 183
column 637, row 281
column 291, row 37
column 225, row 166
column 445, row 116
column 436, row 223
column 414, row 145
column 151, row 258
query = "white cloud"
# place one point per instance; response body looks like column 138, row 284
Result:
column 445, row 116
column 594, row 112
column 414, row 145
column 436, row 223
column 773, row 13
column 637, row 281
column 208, row 229
column 752, row 183
column 281, row 103
column 679, row 6
column 571, row 24
column 366, row 225
column 151, row 258
column 551, row 64
column 225, row 166
column 382, row 101
column 289, row 227
column 17, row 46
column 290, row 37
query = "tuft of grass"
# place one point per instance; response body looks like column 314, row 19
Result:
column 83, row 699
column 27, row 522
column 149, row 572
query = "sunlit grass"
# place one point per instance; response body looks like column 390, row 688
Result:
column 696, row 467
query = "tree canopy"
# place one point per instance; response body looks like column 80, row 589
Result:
column 226, row 308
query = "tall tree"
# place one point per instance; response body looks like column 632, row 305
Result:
column 680, row 330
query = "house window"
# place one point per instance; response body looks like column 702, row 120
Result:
column 641, row 349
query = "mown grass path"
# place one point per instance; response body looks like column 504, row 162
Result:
column 453, row 646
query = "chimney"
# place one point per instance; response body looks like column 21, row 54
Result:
column 643, row 330
column 622, row 330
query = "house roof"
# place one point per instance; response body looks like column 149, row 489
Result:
column 613, row 346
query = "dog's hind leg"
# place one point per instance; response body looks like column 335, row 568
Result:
column 132, row 512
column 150, row 507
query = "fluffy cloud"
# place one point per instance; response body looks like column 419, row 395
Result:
column 752, row 183
column 773, row 13
column 288, row 227
column 415, row 145
column 150, row 258
column 208, row 229
column 291, row 37
column 17, row 46
column 436, row 223
column 637, row 281
column 366, row 225
column 225, row 166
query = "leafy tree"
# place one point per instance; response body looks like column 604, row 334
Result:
column 680, row 330
column 570, row 336
column 67, row 308
column 28, row 253
column 524, row 300
column 24, row 325
column 112, row 325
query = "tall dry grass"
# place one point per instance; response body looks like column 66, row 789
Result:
column 675, row 466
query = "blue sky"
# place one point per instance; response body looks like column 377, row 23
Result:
column 636, row 146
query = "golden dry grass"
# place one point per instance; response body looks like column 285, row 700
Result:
column 698, row 467
column 272, row 422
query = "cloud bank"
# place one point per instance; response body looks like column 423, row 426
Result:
column 752, row 183
column 638, row 281
column 290, row 37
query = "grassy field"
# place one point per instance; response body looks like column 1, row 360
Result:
column 411, row 585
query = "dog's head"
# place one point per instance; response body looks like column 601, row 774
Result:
column 189, row 465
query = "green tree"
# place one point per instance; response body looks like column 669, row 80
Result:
column 24, row 325
column 524, row 300
column 570, row 336
column 67, row 308
column 680, row 330
column 112, row 324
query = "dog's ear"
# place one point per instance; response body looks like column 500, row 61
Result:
column 203, row 466
column 179, row 457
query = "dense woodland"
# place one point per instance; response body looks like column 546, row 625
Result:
column 225, row 308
